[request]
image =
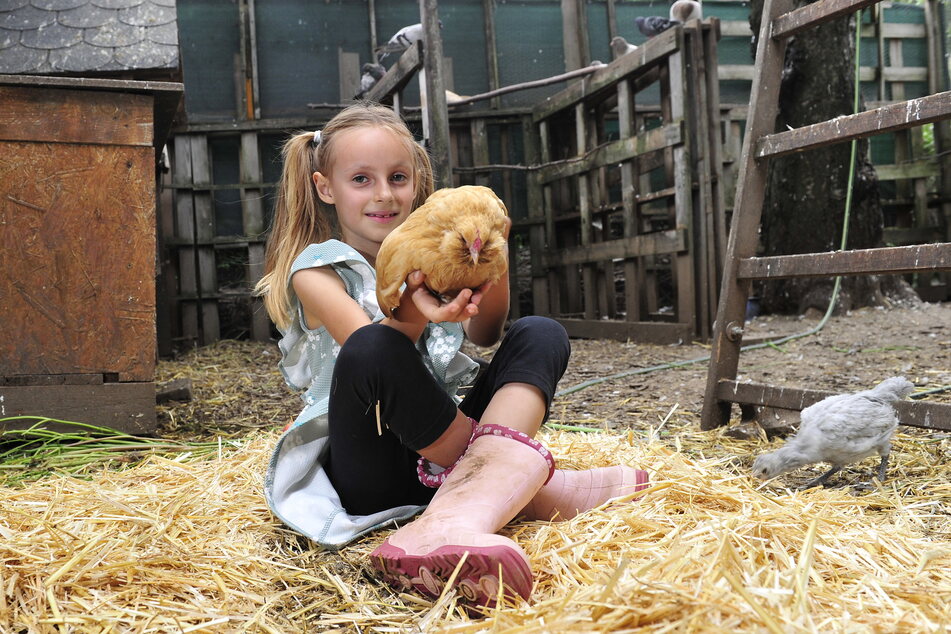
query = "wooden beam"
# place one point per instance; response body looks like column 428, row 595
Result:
column 913, row 413
column 641, row 331
column 641, row 60
column 921, row 257
column 398, row 75
column 436, row 113
column 615, row 152
column 905, row 114
column 811, row 15
column 657, row 243
column 128, row 407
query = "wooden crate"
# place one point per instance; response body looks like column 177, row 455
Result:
column 77, row 247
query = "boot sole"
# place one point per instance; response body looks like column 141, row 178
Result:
column 478, row 578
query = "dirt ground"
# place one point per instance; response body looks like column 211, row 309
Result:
column 610, row 384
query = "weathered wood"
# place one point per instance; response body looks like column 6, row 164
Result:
column 645, row 244
column 71, row 302
column 921, row 257
column 398, row 75
column 654, row 49
column 744, row 226
column 75, row 116
column 348, row 72
column 434, row 95
column 128, row 407
column 252, row 215
column 645, row 331
column 910, row 412
column 811, row 15
column 615, row 152
column 914, row 112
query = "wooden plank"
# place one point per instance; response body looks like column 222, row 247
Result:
column 645, row 244
column 641, row 331
column 348, row 72
column 204, row 232
column 744, row 226
column 633, row 267
column 910, row 170
column 744, row 72
column 639, row 61
column 811, row 15
column 615, row 152
column 891, row 260
column 436, row 111
column 491, row 49
column 185, row 227
column 252, row 216
column 398, row 75
column 914, row 112
column 77, row 259
column 56, row 115
column 128, row 407
column 910, row 412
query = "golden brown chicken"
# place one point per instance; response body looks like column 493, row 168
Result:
column 456, row 238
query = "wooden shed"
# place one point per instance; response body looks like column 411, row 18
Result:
column 77, row 247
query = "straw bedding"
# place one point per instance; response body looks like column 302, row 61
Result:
column 188, row 545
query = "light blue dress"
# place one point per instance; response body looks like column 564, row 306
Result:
column 296, row 486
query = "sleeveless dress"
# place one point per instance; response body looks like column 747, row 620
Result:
column 296, row 486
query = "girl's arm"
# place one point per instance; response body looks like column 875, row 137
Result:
column 325, row 301
column 485, row 327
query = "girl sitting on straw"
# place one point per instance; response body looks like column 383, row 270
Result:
column 380, row 393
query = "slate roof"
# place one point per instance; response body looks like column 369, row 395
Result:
column 42, row 37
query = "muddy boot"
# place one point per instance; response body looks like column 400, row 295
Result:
column 500, row 473
column 571, row 492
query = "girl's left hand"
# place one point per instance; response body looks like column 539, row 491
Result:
column 462, row 307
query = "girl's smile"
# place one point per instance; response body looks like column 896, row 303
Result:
column 371, row 183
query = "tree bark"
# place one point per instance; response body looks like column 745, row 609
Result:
column 804, row 210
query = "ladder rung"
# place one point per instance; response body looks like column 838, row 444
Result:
column 904, row 114
column 914, row 413
column 814, row 14
column 920, row 257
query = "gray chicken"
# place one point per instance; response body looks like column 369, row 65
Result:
column 840, row 430
column 372, row 73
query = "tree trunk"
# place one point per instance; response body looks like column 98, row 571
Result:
column 805, row 201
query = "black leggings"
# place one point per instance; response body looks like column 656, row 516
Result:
column 377, row 364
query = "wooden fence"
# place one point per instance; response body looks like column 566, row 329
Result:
column 217, row 197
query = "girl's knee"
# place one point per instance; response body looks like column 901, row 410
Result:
column 542, row 330
column 373, row 341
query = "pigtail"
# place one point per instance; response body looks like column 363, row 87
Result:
column 424, row 174
column 298, row 221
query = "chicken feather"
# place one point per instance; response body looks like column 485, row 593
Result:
column 456, row 238
column 840, row 430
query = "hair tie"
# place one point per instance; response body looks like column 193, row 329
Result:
column 316, row 140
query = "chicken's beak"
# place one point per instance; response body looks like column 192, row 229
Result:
column 474, row 250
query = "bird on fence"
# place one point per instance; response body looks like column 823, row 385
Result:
column 372, row 73
column 840, row 430
column 681, row 11
column 620, row 46
column 457, row 239
column 402, row 39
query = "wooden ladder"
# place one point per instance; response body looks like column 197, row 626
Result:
column 741, row 268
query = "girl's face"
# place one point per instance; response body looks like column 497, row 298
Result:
column 370, row 183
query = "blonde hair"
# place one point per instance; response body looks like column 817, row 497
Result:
column 300, row 217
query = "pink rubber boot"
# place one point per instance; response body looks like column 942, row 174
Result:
column 498, row 475
column 571, row 492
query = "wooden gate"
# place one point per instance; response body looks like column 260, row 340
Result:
column 628, row 226
column 760, row 144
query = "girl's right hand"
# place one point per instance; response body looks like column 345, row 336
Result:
column 462, row 307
